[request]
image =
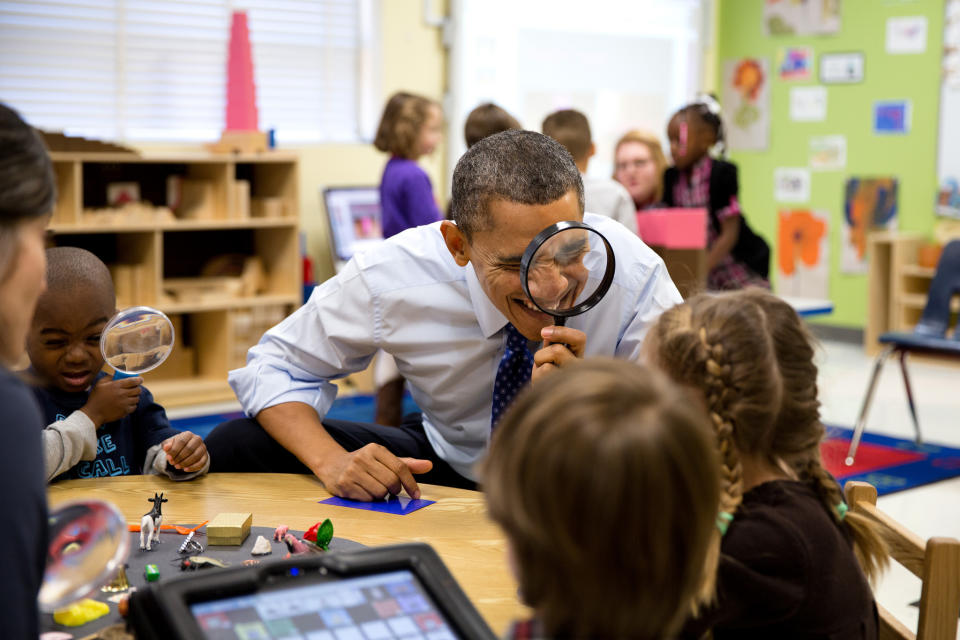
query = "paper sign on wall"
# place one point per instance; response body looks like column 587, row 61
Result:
column 746, row 99
column 828, row 152
column 891, row 116
column 808, row 104
column 907, row 34
column 869, row 203
column 795, row 63
column 791, row 185
column 782, row 18
column 802, row 260
column 841, row 68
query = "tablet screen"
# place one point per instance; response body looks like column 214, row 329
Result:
column 383, row 606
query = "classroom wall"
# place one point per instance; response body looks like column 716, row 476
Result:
column 911, row 157
column 412, row 58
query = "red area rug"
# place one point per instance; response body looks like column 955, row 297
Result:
column 889, row 464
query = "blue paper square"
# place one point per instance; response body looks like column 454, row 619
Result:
column 891, row 117
column 397, row 505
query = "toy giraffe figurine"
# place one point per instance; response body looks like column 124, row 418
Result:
column 150, row 524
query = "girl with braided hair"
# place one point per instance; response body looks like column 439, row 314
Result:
column 736, row 256
column 785, row 547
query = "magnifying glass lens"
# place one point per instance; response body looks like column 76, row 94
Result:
column 137, row 340
column 566, row 270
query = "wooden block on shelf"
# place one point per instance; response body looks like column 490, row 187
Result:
column 270, row 207
column 229, row 529
column 241, row 200
column 240, row 142
column 203, row 289
column 196, row 199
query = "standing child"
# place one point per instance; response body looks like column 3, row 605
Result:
column 486, row 120
column 411, row 127
column 737, row 257
column 793, row 562
column 605, row 479
column 96, row 426
column 605, row 196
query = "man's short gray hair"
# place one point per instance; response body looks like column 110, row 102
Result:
column 517, row 166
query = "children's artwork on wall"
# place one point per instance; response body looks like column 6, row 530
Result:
column 808, row 104
column 869, row 203
column 801, row 17
column 948, row 149
column 746, row 98
column 791, row 185
column 906, row 34
column 795, row 63
column 828, row 153
column 841, row 68
column 802, row 261
column 891, row 117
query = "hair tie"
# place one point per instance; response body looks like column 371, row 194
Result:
column 842, row 509
column 723, row 522
column 709, row 102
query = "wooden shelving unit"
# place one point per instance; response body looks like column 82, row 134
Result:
column 244, row 206
column 897, row 285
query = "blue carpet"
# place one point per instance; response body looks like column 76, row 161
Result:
column 356, row 408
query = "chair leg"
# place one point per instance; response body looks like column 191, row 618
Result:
column 910, row 403
column 862, row 419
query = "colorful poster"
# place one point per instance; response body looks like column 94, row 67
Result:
column 828, row 153
column 906, row 34
column 891, row 117
column 795, row 63
column 791, row 185
column 803, row 266
column 808, row 104
column 746, row 100
column 869, row 203
column 801, row 17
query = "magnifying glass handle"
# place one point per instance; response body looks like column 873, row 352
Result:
column 119, row 375
column 560, row 321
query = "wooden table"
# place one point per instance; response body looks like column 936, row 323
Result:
column 457, row 526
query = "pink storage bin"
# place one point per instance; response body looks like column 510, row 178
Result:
column 673, row 228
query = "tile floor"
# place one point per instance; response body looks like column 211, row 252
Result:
column 844, row 371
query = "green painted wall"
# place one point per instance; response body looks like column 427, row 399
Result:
column 911, row 157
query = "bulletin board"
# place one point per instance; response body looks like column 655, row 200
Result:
column 853, row 111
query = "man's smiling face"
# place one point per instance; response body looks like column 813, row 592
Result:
column 496, row 252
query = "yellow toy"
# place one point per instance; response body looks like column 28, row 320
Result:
column 80, row 613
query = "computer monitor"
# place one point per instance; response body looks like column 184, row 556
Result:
column 398, row 592
column 354, row 217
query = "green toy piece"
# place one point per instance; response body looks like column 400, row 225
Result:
column 151, row 573
column 325, row 534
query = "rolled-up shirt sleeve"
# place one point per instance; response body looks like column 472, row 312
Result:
column 329, row 337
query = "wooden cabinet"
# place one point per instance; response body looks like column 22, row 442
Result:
column 897, row 285
column 223, row 261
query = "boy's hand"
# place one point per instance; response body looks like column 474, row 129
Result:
column 561, row 345
column 185, row 451
column 112, row 400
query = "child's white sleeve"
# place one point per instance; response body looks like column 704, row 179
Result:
column 67, row 442
column 155, row 462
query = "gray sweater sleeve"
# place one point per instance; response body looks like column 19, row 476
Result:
column 155, row 462
column 67, row 442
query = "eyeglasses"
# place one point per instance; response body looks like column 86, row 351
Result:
column 638, row 163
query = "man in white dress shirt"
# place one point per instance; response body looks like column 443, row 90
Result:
column 438, row 298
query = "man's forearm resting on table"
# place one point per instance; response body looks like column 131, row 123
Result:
column 297, row 428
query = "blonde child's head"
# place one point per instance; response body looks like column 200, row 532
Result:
column 752, row 358
column 411, row 126
column 604, row 478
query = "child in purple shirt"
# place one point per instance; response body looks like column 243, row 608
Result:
column 409, row 128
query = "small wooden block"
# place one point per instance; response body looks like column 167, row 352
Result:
column 229, row 529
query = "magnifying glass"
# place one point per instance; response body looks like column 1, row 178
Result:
column 136, row 340
column 567, row 269
column 88, row 545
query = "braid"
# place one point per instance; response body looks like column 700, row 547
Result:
column 719, row 395
column 871, row 550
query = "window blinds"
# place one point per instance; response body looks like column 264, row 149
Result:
column 142, row 70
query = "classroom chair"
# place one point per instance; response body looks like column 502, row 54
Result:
column 935, row 561
column 928, row 337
